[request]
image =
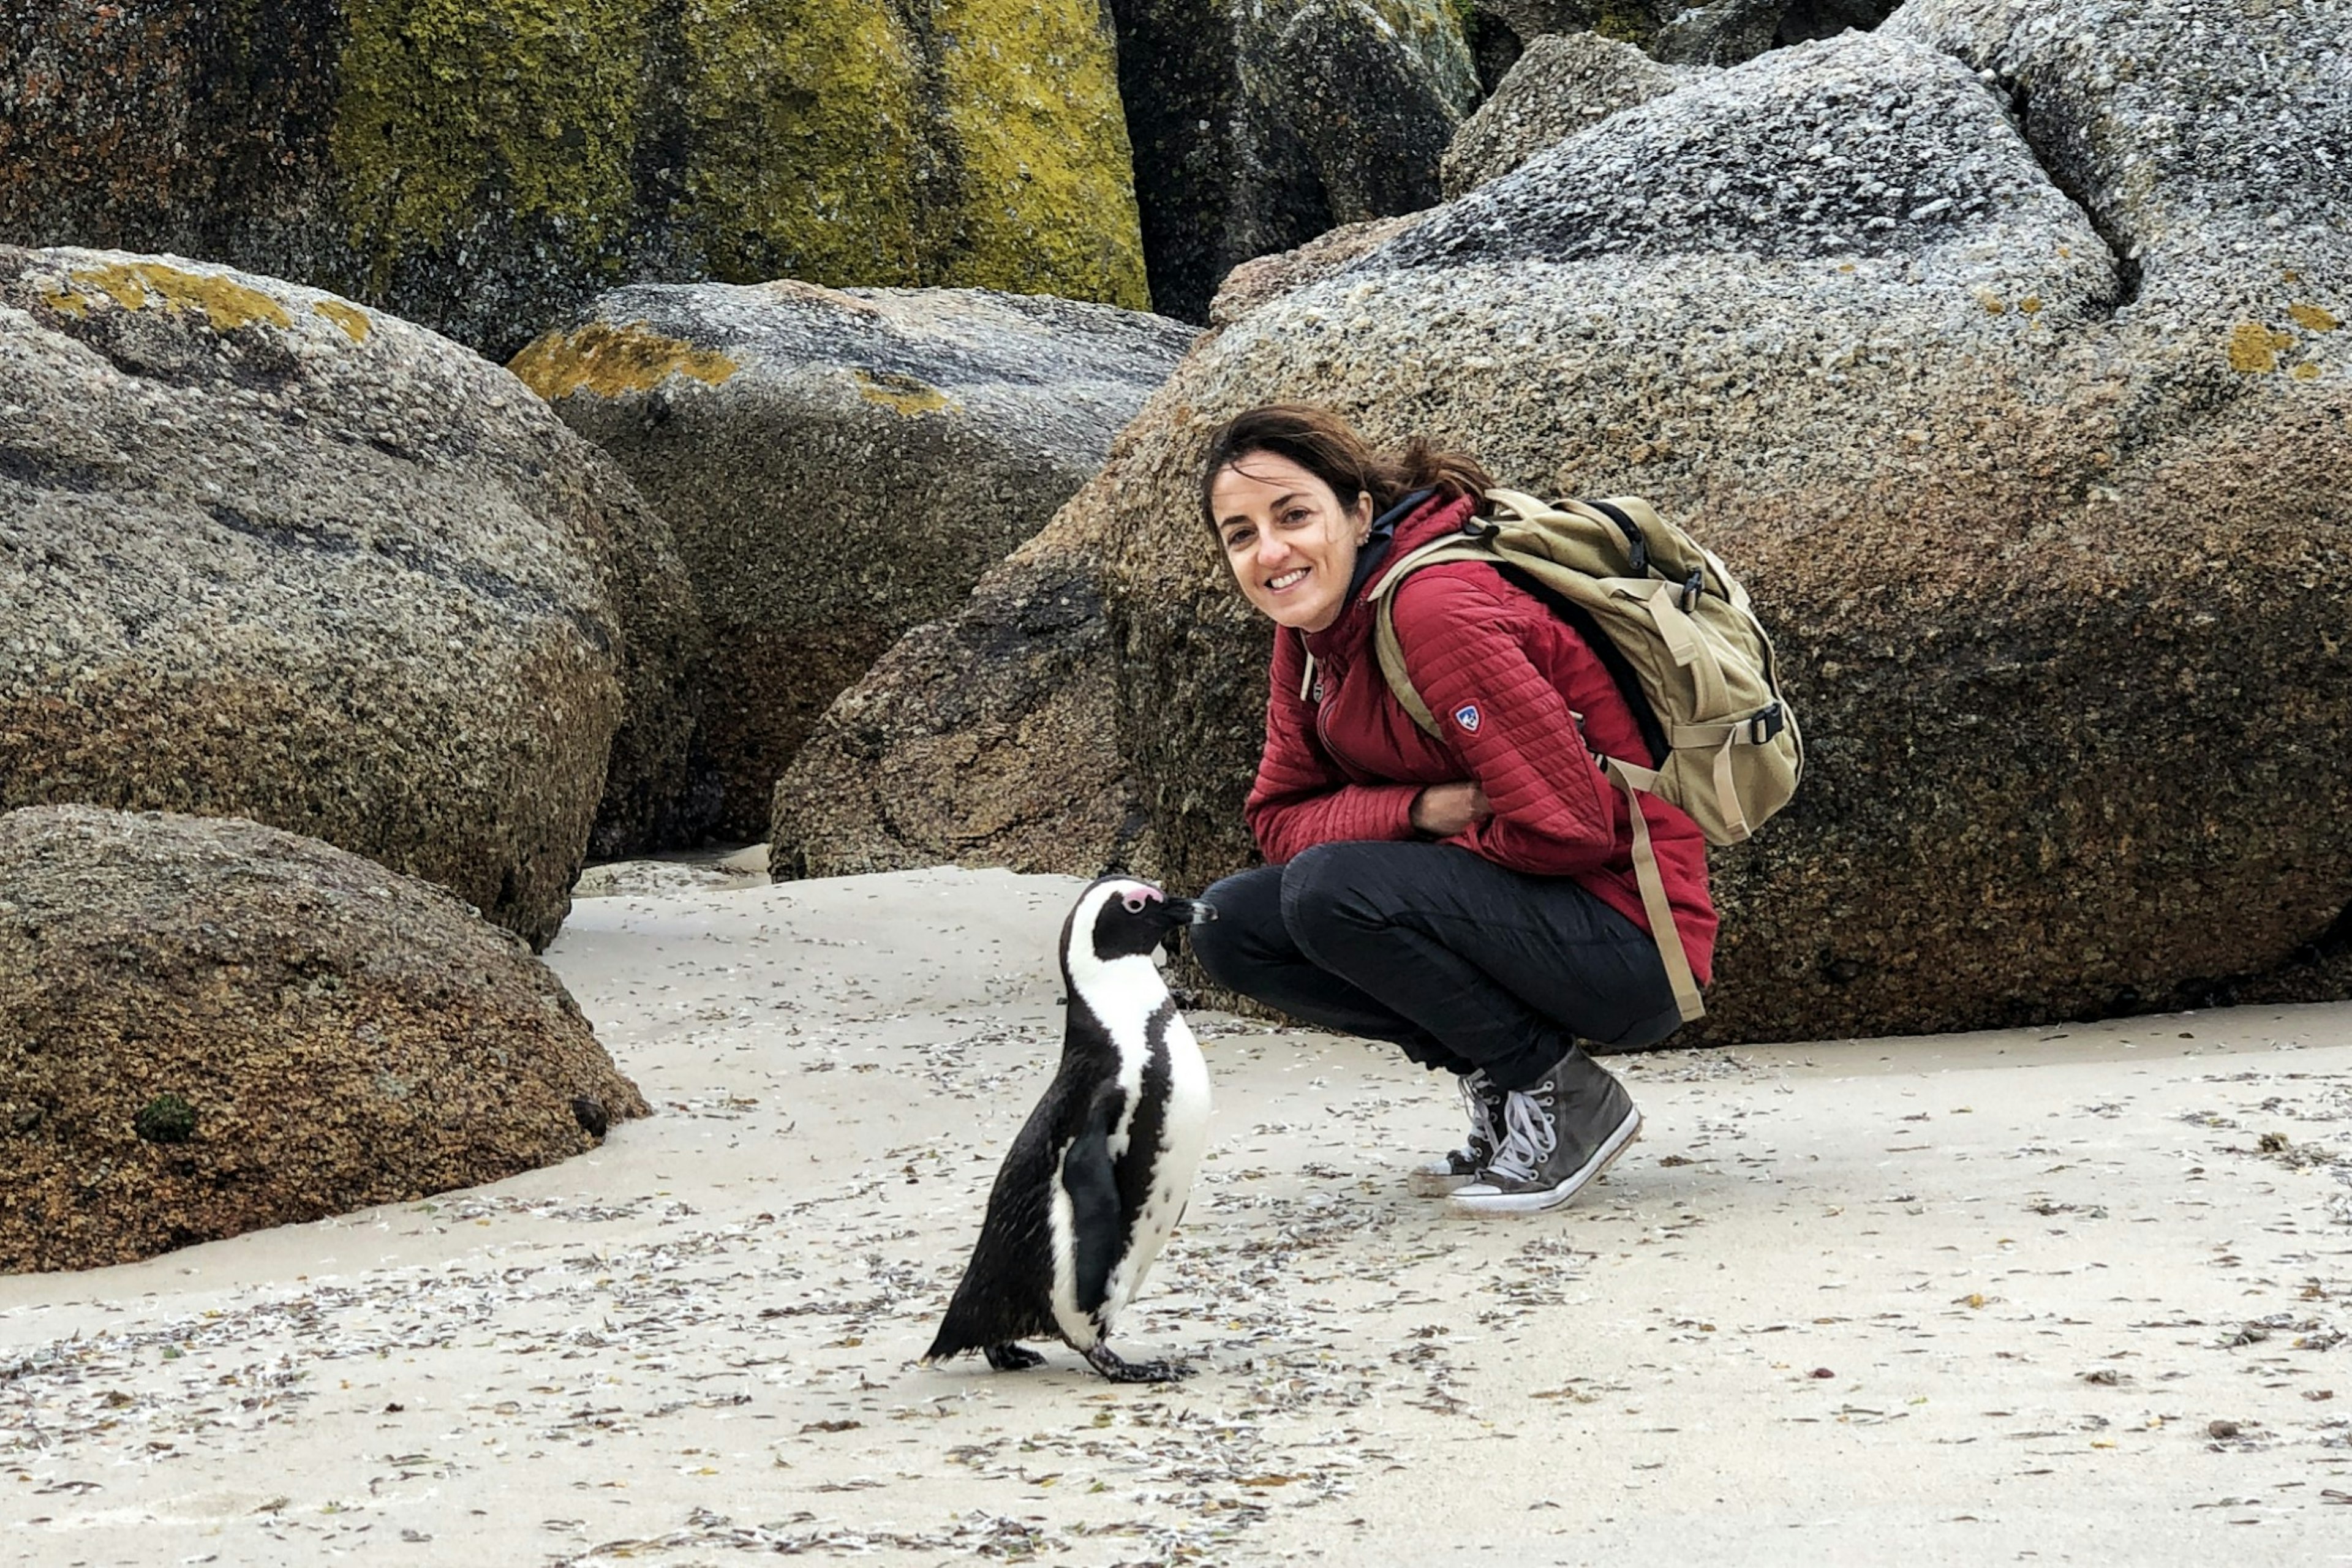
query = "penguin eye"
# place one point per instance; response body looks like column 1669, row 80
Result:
column 1134, row 905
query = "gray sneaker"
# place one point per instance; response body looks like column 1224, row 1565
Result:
column 1557, row 1134
column 1435, row 1178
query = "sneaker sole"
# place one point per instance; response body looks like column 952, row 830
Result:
column 1427, row 1183
column 1629, row 1131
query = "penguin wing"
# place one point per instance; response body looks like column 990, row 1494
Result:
column 1005, row 1293
column 1098, row 1223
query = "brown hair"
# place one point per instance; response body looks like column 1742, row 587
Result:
column 1328, row 447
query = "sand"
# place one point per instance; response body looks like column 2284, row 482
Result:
column 2078, row 1293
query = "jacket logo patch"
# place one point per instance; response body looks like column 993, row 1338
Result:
column 1468, row 717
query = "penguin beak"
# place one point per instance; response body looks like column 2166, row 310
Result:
column 1192, row 911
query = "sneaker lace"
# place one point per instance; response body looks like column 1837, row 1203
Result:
column 1531, row 1136
column 1474, row 1089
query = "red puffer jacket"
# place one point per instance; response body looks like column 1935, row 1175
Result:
column 1522, row 702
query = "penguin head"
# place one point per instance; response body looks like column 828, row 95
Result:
column 1119, row 917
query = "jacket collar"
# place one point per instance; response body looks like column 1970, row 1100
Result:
column 1380, row 537
column 1411, row 524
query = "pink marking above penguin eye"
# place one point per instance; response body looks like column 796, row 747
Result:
column 1136, row 895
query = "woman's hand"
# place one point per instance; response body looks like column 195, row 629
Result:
column 1443, row 810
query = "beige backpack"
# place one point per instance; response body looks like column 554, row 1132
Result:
column 1671, row 616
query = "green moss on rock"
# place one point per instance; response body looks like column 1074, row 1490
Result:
column 166, row 1119
column 483, row 166
column 1047, row 193
column 806, row 137
column 452, row 108
column 967, row 142
column 1634, row 24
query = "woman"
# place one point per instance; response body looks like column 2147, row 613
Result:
column 1470, row 897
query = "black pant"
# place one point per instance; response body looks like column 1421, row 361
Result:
column 1464, row 963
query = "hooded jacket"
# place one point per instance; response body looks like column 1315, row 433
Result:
column 1522, row 704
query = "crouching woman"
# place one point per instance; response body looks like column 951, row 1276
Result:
column 1469, row 897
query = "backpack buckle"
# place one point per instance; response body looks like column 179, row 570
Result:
column 1637, row 549
column 1693, row 587
column 1766, row 724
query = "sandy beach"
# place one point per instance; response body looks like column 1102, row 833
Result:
column 2081, row 1293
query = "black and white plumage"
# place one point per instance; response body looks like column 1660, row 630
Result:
column 1098, row 1175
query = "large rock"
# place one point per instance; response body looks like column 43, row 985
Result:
column 1254, row 282
column 839, row 467
column 1562, row 83
column 1258, row 127
column 1711, row 33
column 264, row 553
column 482, row 169
column 2043, row 501
column 1725, row 32
column 208, row 1026
column 986, row 737
column 1634, row 22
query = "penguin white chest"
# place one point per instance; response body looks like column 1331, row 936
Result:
column 1172, row 1066
column 1183, row 1127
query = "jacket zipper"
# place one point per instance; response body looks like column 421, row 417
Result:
column 1324, row 681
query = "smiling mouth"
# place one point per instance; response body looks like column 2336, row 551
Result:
column 1279, row 583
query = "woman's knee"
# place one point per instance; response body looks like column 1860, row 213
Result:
column 1247, row 929
column 1338, row 909
column 1326, row 887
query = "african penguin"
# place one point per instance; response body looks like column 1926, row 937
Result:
column 1096, row 1177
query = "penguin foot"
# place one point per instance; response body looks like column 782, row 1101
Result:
column 1010, row 1357
column 1105, row 1361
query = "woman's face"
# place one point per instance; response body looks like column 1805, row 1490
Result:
column 1290, row 542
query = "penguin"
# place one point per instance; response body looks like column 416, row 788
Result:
column 1100, row 1174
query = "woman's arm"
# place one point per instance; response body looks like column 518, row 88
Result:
column 1466, row 648
column 1440, row 811
column 1301, row 798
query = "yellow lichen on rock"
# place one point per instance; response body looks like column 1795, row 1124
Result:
column 610, row 361
column 2313, row 318
column 452, row 110
column 807, row 135
column 904, row 395
column 226, row 304
column 979, row 144
column 350, row 317
column 1032, row 105
column 121, row 284
column 2254, row 347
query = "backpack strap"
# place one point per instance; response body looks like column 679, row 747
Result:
column 1523, row 506
column 1662, row 930
column 1680, row 634
column 1386, row 648
column 1716, row 740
